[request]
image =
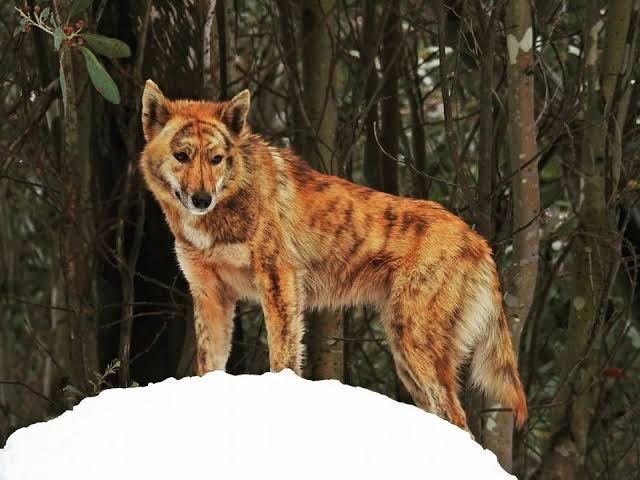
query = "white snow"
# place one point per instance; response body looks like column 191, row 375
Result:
column 273, row 426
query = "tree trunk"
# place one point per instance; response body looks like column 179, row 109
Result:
column 318, row 25
column 520, row 278
column 77, row 225
column 7, row 337
column 218, row 48
column 486, row 161
column 55, row 374
column 474, row 400
column 390, row 64
column 128, row 255
column 210, row 50
column 77, row 231
column 460, row 180
column 318, row 17
column 421, row 184
column 288, row 13
column 372, row 160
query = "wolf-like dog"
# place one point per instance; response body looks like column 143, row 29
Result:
column 254, row 221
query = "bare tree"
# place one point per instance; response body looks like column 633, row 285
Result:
column 520, row 277
column 390, row 63
column 319, row 17
column 78, row 232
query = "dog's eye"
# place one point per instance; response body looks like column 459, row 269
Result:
column 216, row 160
column 182, row 157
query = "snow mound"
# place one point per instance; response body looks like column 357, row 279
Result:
column 273, row 426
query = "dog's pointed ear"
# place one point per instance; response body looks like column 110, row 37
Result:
column 155, row 110
column 234, row 113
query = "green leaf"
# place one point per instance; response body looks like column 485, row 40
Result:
column 100, row 77
column 44, row 15
column 635, row 337
column 58, row 36
column 107, row 46
column 17, row 30
column 79, row 6
column 23, row 21
column 63, row 87
column 70, row 390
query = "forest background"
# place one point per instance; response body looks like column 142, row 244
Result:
column 522, row 117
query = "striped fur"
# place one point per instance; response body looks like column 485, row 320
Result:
column 286, row 236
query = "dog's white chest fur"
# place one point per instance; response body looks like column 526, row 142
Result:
column 234, row 254
column 197, row 237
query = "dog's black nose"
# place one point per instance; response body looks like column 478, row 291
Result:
column 201, row 200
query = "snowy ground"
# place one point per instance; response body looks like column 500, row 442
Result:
column 273, row 426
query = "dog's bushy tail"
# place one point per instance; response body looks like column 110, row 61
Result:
column 494, row 369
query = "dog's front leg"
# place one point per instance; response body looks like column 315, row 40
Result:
column 213, row 311
column 282, row 303
column 213, row 318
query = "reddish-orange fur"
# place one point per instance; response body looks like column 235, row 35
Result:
column 291, row 238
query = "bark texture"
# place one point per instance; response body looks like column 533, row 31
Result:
column 520, row 278
column 78, row 231
column 372, row 158
column 131, row 191
column 390, row 64
column 218, row 48
column 325, row 328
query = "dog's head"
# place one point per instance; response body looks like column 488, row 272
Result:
column 192, row 157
